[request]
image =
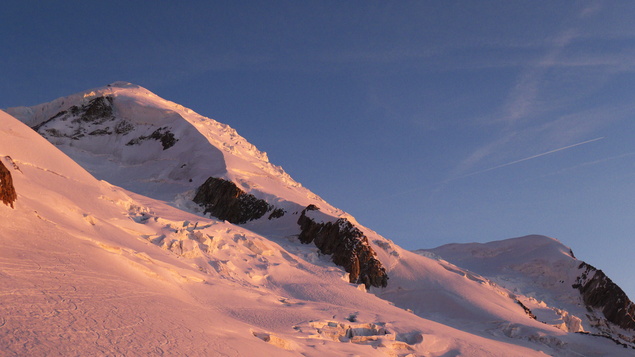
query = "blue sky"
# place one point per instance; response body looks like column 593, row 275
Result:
column 432, row 122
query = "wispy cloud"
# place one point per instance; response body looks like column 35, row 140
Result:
column 535, row 114
column 590, row 10
column 588, row 164
column 522, row 99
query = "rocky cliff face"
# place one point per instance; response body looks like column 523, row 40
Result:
column 344, row 242
column 348, row 246
column 599, row 292
column 224, row 200
column 7, row 191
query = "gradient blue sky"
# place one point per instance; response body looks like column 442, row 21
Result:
column 432, row 122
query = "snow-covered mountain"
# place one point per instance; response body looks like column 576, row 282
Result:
column 148, row 229
column 556, row 287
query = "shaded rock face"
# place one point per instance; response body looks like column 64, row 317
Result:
column 224, row 200
column 7, row 191
column 163, row 135
column 98, row 109
column 348, row 246
column 599, row 292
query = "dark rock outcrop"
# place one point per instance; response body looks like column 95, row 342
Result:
column 617, row 342
column 599, row 292
column 277, row 213
column 224, row 200
column 164, row 135
column 527, row 310
column 123, row 127
column 97, row 110
column 7, row 191
column 348, row 246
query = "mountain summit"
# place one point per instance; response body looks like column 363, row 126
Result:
column 128, row 136
column 147, row 228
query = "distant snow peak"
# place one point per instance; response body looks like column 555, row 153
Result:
column 127, row 135
column 97, row 117
column 557, row 288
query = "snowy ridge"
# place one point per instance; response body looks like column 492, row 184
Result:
column 99, row 269
column 545, row 275
column 124, row 133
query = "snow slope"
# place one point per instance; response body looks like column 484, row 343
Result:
column 543, row 273
column 107, row 137
column 89, row 268
column 86, row 269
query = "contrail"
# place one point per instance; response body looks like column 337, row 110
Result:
column 534, row 156
column 442, row 184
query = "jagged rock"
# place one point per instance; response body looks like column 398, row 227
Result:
column 123, row 127
column 527, row 310
column 164, row 135
column 98, row 109
column 104, row 131
column 224, row 200
column 599, row 292
column 7, row 191
column 617, row 342
column 348, row 246
column 277, row 213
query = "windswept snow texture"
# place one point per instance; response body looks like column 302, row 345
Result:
column 88, row 268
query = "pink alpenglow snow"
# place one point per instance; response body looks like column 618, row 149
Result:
column 105, row 253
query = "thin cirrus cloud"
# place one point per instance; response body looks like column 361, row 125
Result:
column 531, row 117
column 522, row 100
column 590, row 163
